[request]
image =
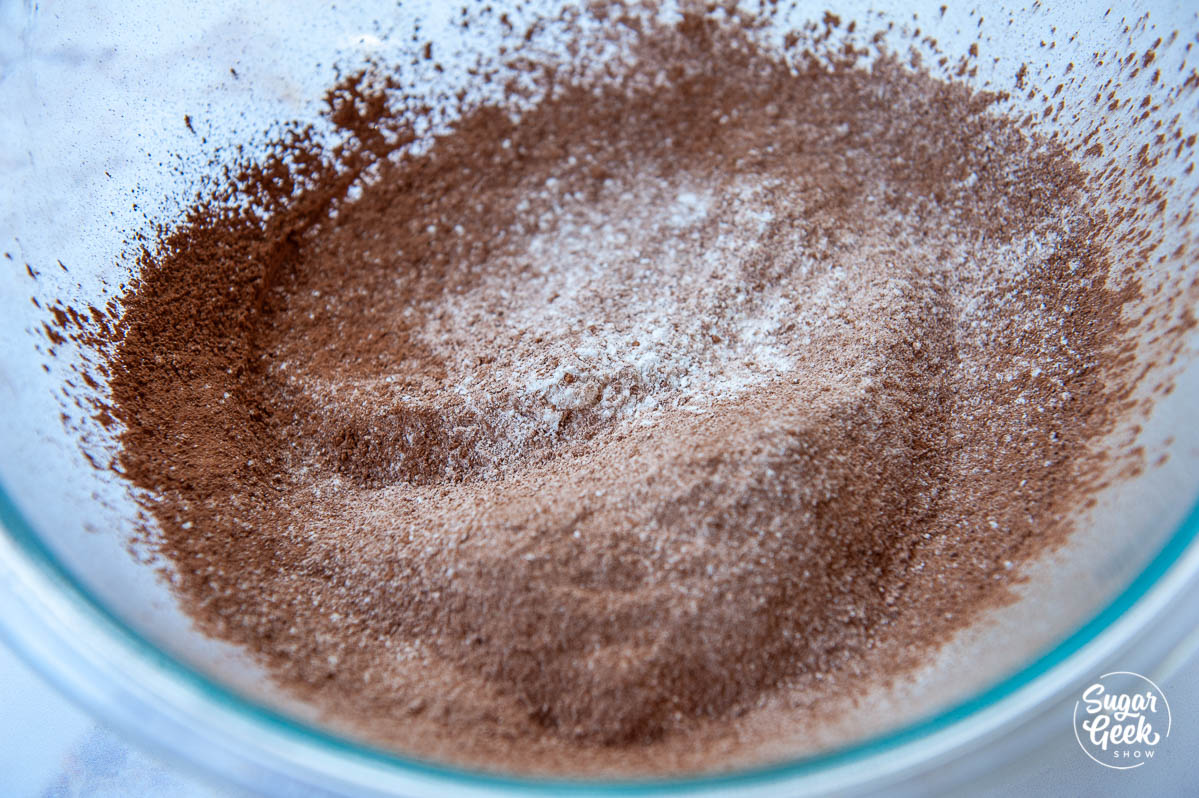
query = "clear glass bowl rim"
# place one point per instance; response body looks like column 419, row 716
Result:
column 1185, row 538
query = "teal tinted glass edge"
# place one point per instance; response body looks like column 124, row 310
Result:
column 22, row 532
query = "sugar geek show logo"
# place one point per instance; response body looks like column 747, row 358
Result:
column 1121, row 720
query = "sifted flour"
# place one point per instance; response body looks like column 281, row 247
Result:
column 623, row 434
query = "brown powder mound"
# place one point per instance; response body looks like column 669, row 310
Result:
column 584, row 434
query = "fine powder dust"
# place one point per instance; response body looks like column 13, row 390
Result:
column 585, row 440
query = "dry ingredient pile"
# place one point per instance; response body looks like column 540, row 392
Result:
column 584, row 440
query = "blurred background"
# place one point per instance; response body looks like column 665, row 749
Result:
column 51, row 749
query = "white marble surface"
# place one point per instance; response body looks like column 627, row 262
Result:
column 51, row 749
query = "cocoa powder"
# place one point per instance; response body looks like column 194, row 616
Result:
column 586, row 437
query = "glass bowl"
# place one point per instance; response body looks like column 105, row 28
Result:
column 105, row 104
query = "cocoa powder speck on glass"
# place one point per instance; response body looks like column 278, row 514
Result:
column 584, row 439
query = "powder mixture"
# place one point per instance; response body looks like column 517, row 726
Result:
column 584, row 438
